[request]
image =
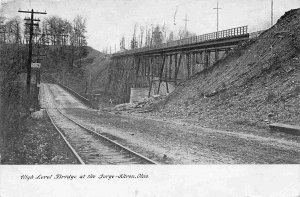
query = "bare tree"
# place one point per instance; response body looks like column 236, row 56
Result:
column 157, row 37
column 153, row 36
column 142, row 29
column 184, row 34
column 60, row 31
column 181, row 33
column 56, row 27
column 79, row 26
column 134, row 43
column 164, row 33
column 11, row 30
column 122, row 44
column 170, row 37
column 148, row 37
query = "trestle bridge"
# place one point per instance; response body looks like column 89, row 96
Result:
column 158, row 69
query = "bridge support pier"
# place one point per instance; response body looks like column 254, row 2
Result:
column 177, row 66
column 162, row 66
column 170, row 67
column 195, row 54
column 206, row 59
column 150, row 75
column 216, row 55
column 188, row 64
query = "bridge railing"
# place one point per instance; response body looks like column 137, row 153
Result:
column 191, row 40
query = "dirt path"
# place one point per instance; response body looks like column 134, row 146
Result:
column 167, row 142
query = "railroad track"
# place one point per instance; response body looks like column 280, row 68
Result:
column 88, row 146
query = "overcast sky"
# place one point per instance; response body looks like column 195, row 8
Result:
column 108, row 20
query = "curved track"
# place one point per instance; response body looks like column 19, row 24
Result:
column 88, row 146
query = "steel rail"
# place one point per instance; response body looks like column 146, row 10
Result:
column 107, row 139
column 65, row 139
column 103, row 137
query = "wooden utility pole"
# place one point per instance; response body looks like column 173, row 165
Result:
column 39, row 57
column 31, row 24
column 185, row 23
column 217, row 8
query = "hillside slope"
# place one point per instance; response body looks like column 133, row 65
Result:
column 259, row 80
column 93, row 73
column 86, row 68
column 98, row 71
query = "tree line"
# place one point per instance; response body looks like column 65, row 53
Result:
column 144, row 36
column 52, row 30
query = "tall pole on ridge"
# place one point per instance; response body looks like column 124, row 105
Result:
column 185, row 24
column 217, row 8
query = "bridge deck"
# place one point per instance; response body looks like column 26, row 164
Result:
column 222, row 39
